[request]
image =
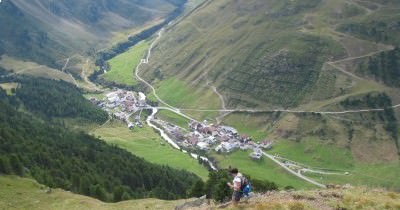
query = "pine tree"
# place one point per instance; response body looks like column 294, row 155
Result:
column 5, row 167
column 16, row 165
column 197, row 189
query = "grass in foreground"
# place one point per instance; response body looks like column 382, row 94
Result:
column 123, row 65
column 357, row 198
column 263, row 169
column 146, row 143
column 23, row 193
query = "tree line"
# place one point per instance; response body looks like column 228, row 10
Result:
column 50, row 98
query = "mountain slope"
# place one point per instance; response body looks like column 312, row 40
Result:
column 265, row 54
column 245, row 47
column 46, row 31
column 309, row 56
column 36, row 196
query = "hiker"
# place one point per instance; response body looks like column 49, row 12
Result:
column 236, row 185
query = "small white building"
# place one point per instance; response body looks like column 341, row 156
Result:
column 210, row 140
column 256, row 155
column 142, row 99
column 225, row 147
column 203, row 145
column 229, row 130
column 131, row 126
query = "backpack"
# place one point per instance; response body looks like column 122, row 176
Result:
column 245, row 186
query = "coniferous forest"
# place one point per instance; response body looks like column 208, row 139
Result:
column 72, row 160
column 49, row 99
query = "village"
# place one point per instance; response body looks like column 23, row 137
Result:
column 206, row 137
column 127, row 106
column 123, row 105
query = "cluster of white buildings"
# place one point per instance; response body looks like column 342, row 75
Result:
column 122, row 104
column 222, row 139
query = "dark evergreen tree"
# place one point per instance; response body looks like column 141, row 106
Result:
column 5, row 167
column 16, row 165
column 198, row 189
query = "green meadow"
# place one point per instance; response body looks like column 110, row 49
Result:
column 144, row 142
column 263, row 169
column 184, row 96
column 314, row 153
column 122, row 66
column 173, row 118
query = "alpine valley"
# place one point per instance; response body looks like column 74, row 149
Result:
column 145, row 104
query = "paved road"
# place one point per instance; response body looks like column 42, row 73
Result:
column 172, row 110
column 289, row 111
column 146, row 61
column 299, row 175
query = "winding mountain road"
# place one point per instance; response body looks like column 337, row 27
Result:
column 146, row 61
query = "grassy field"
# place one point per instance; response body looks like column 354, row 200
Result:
column 314, row 153
column 33, row 69
column 249, row 124
column 371, row 175
column 99, row 96
column 320, row 155
column 123, row 65
column 23, row 193
column 147, row 144
column 173, row 118
column 264, row 169
column 183, row 95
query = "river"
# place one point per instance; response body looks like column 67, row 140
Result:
column 172, row 142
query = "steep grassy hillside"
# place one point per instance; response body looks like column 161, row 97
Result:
column 269, row 54
column 35, row 196
column 23, row 193
column 353, row 198
column 312, row 55
column 245, row 48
